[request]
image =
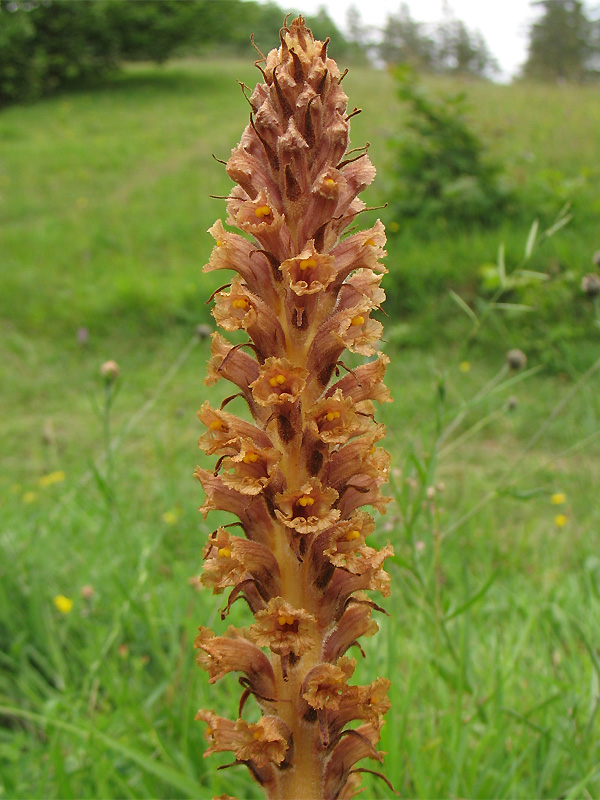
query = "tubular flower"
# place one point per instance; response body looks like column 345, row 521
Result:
column 300, row 468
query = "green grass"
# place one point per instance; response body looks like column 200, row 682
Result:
column 492, row 638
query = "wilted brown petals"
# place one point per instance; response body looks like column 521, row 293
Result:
column 346, row 753
column 309, row 272
column 361, row 250
column 365, row 382
column 279, row 381
column 229, row 560
column 225, row 431
column 308, row 509
column 284, row 629
column 233, row 653
column 230, row 363
column 357, row 331
column 261, row 743
column 324, row 685
column 234, row 252
column 355, row 622
column 250, row 469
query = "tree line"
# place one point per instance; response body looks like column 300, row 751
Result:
column 49, row 44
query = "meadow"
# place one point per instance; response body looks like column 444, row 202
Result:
column 492, row 639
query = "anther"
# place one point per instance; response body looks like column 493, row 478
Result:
column 216, row 425
column 277, row 380
column 225, row 552
column 250, row 458
column 308, row 263
column 262, row 211
column 331, row 415
column 286, row 619
column 240, row 303
column 329, row 182
column 305, row 500
column 371, row 242
column 358, row 320
column 352, row 535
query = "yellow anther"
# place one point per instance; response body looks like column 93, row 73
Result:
column 262, row 211
column 352, row 535
column 277, row 380
column 286, row 619
column 371, row 242
column 308, row 263
column 257, row 735
column 216, row 425
column 372, row 450
column 374, row 699
column 250, row 458
column 305, row 500
column 331, row 415
column 220, row 243
column 225, row 552
column 209, row 731
column 358, row 320
column 240, row 303
column 329, row 182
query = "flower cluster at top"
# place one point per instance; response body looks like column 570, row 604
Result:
column 299, row 475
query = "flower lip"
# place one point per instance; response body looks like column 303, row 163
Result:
column 279, row 381
column 308, row 509
column 309, row 272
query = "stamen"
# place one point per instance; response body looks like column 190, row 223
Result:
column 286, row 619
column 277, row 380
column 331, row 415
column 240, row 303
column 216, row 425
column 352, row 535
column 329, row 182
column 250, row 458
column 371, row 242
column 262, row 211
column 308, row 263
column 220, row 243
column 358, row 320
column 305, row 500
column 225, row 552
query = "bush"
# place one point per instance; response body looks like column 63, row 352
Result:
column 45, row 46
column 442, row 173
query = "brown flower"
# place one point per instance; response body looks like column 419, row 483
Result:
column 278, row 382
column 284, row 629
column 308, row 509
column 234, row 653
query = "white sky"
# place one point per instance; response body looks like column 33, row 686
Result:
column 503, row 23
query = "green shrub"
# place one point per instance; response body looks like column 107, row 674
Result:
column 443, row 175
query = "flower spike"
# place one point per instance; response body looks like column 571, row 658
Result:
column 300, row 470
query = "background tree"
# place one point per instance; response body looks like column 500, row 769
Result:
column 561, row 42
column 404, row 41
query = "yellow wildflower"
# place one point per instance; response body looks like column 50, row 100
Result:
column 560, row 520
column 558, row 498
column 63, row 604
column 464, row 366
column 172, row 516
column 52, row 477
column 29, row 497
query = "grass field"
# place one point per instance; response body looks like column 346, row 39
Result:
column 493, row 638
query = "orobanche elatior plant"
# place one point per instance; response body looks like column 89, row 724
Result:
column 297, row 476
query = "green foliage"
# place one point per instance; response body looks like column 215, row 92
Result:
column 50, row 44
column 444, row 176
column 562, row 42
column 491, row 643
